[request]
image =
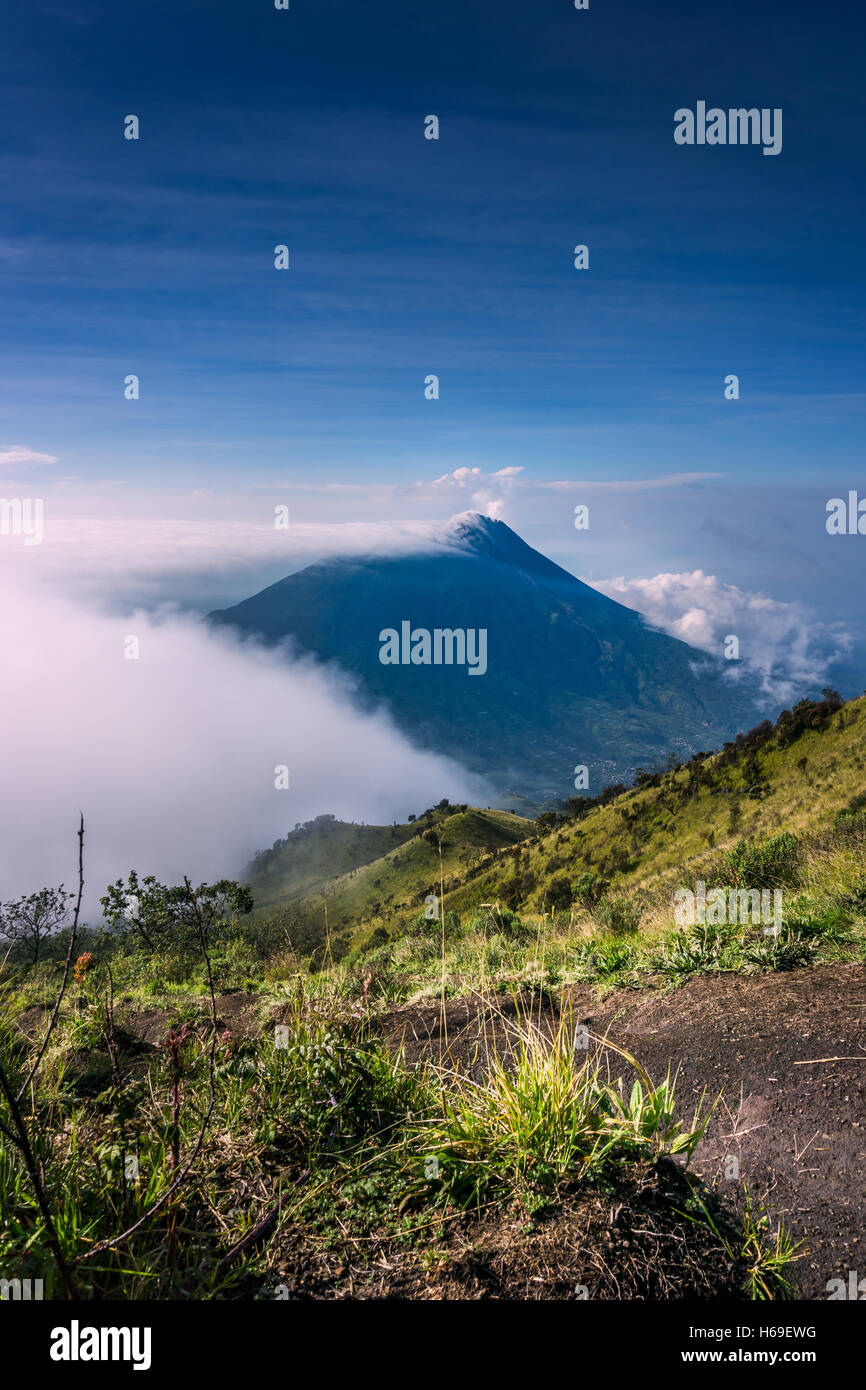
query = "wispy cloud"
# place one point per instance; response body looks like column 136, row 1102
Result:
column 480, row 481
column 115, row 563
column 626, row 484
column 14, row 456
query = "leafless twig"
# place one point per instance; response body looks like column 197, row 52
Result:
column 62, row 990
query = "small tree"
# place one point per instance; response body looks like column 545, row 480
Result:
column 559, row 894
column 181, row 915
column 28, row 921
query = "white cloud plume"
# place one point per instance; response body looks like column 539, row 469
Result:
column 783, row 643
column 489, row 492
column 211, row 563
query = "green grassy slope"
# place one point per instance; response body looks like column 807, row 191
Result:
column 369, row 873
column 646, row 840
column 318, row 851
column 658, row 836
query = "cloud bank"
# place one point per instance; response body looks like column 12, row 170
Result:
column 172, row 756
column 205, row 564
column 786, row 646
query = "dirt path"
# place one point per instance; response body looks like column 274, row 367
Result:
column 795, row 1122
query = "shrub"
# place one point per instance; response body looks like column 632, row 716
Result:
column 26, row 924
column 590, row 888
column 775, row 864
column 174, row 916
column 424, row 927
column 547, row 1114
column 500, row 920
column 852, row 821
column 379, row 937
column 786, row 952
column 609, row 961
column 328, row 1088
column 855, row 898
column 619, row 914
column 518, row 888
column 558, row 894
column 698, row 950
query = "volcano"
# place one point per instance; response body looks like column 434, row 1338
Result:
column 571, row 678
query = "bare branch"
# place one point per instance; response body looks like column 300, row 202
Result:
column 72, row 938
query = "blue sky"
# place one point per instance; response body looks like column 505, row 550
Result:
column 451, row 257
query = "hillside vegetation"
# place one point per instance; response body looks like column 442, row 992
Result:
column 795, row 776
column 202, row 1099
column 365, row 875
column 634, row 846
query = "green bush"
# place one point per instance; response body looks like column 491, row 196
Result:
column 590, row 888
column 775, row 864
column 620, row 915
column 855, row 898
column 427, row 926
column 698, row 950
column 500, row 920
column 328, row 1089
column 558, row 894
column 787, row 952
column 852, row 821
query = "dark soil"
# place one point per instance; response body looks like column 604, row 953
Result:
column 626, row 1242
column 782, row 1055
column 786, row 1054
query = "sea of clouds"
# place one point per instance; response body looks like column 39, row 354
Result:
column 172, row 756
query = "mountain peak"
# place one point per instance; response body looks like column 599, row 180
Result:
column 472, row 521
column 483, row 535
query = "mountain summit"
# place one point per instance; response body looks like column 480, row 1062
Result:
column 566, row 677
column 482, row 535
